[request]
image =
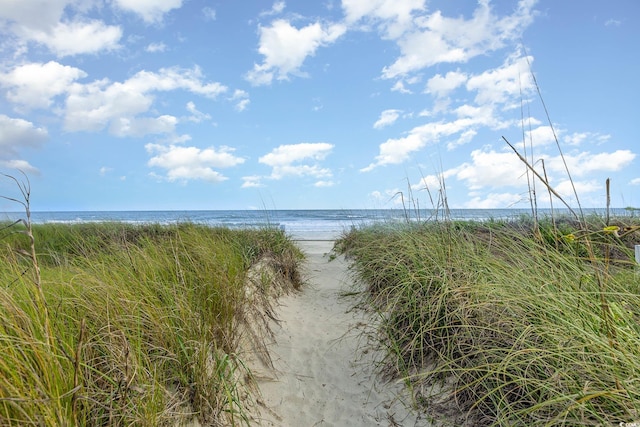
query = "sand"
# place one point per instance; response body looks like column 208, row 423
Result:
column 322, row 374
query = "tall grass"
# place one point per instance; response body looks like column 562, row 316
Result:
column 141, row 322
column 502, row 327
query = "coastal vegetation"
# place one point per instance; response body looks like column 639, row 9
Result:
column 524, row 322
column 120, row 324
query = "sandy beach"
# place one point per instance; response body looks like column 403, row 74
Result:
column 321, row 374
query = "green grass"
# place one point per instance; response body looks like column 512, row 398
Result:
column 140, row 326
column 505, row 323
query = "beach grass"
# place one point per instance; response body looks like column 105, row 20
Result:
column 507, row 322
column 136, row 324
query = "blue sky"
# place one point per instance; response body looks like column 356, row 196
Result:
column 193, row 104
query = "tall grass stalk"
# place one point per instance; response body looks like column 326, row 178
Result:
column 143, row 322
column 490, row 322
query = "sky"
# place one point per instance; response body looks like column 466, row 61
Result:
column 332, row 104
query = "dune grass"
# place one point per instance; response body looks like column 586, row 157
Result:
column 140, row 326
column 507, row 323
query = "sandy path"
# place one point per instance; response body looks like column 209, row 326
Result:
column 320, row 377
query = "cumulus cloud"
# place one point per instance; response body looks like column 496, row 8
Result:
column 387, row 118
column 298, row 160
column 42, row 22
column 196, row 115
column 493, row 201
column 151, row 11
column 276, row 9
column 17, row 133
column 504, row 83
column 156, row 47
column 286, row 47
column 584, row 163
column 399, row 150
column 105, row 170
column 399, row 87
column 324, row 184
column 241, row 99
column 578, row 138
column 441, row 86
column 494, row 90
column 35, row 85
column 439, row 39
column 183, row 164
column 252, row 181
column 393, row 17
column 209, row 13
column 492, row 169
column 34, row 14
column 22, row 165
column 389, row 197
column 540, row 136
column 566, row 188
column 79, row 37
column 94, row 106
column 489, row 171
column 140, row 126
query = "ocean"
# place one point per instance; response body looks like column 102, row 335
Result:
column 299, row 224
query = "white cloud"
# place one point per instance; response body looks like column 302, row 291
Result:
column 105, row 170
column 565, row 188
column 42, row 22
column 584, row 163
column 390, row 197
column 635, row 181
column 465, row 138
column 398, row 150
column 22, row 165
column 494, row 201
column 577, row 138
column 253, row 181
column 387, row 118
column 276, row 9
column 209, row 13
column 35, row 85
column 196, row 115
column 188, row 163
column 298, row 160
column 34, row 14
column 504, row 83
column 242, row 104
column 399, row 87
column 93, row 106
column 151, row 11
column 441, row 86
column 540, row 136
column 140, row 126
column 492, row 169
column 495, row 89
column 156, row 47
column 324, row 184
column 285, row 49
column 394, row 17
column 438, row 39
column 67, row 39
column 17, row 133
column 241, row 98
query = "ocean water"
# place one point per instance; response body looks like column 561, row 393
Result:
column 300, row 224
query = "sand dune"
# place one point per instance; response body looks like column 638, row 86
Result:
column 321, row 376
